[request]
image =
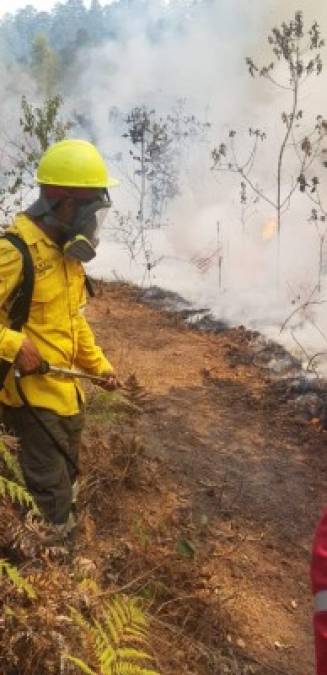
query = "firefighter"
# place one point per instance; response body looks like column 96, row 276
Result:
column 60, row 230
column 319, row 587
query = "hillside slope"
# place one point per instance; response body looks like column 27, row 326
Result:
column 237, row 486
column 199, row 495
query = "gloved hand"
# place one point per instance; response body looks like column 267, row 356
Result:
column 28, row 359
column 111, row 382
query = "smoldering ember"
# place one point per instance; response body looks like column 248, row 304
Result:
column 163, row 337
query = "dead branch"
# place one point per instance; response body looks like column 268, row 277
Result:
column 303, row 306
column 298, row 343
column 313, row 358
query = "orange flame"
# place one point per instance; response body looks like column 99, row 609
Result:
column 269, row 230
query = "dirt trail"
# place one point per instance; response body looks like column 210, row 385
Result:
column 249, row 482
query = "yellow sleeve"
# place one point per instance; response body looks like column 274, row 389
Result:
column 90, row 357
column 11, row 266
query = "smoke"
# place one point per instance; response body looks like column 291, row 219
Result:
column 243, row 282
column 14, row 83
column 207, row 253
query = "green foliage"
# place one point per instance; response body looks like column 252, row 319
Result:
column 45, row 65
column 119, row 640
column 11, row 463
column 105, row 405
column 19, row 582
column 185, row 548
column 71, row 25
column 17, row 494
column 43, row 125
column 81, row 665
column 141, row 532
column 110, row 406
column 40, row 127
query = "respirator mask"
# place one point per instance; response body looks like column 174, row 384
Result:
column 83, row 234
column 80, row 238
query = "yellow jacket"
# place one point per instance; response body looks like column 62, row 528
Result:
column 56, row 323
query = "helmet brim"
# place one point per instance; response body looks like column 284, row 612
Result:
column 110, row 183
column 113, row 182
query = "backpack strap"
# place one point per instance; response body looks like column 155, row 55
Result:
column 22, row 297
column 89, row 286
column 20, row 307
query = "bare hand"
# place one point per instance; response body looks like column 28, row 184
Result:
column 111, row 382
column 28, row 359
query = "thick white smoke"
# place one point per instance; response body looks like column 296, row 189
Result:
column 206, row 66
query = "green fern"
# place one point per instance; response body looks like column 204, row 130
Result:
column 11, row 463
column 16, row 578
column 132, row 669
column 17, row 493
column 81, row 665
column 118, row 640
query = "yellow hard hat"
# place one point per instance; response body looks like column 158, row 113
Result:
column 74, row 163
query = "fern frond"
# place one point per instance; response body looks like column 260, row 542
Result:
column 132, row 654
column 79, row 619
column 121, row 608
column 116, row 639
column 115, row 622
column 80, row 664
column 131, row 669
column 18, row 494
column 112, row 632
column 106, row 659
column 89, row 585
column 136, row 629
column 11, row 463
column 129, row 616
column 138, row 617
column 16, row 578
column 85, row 626
column 102, row 639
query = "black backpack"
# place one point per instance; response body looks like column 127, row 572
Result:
column 21, row 303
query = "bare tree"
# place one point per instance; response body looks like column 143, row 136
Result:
column 296, row 52
column 155, row 147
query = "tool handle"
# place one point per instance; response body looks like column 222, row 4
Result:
column 44, row 368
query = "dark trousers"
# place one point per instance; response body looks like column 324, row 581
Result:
column 48, row 474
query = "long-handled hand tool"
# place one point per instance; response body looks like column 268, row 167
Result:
column 46, row 368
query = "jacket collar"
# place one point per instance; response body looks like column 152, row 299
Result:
column 30, row 232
